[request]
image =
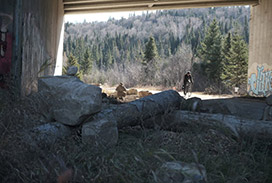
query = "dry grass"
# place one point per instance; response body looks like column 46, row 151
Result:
column 139, row 152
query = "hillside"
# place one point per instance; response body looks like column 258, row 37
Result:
column 169, row 28
column 114, row 51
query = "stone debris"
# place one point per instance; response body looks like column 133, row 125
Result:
column 132, row 91
column 142, row 94
column 70, row 100
column 72, row 71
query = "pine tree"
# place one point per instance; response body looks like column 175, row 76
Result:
column 95, row 54
column 87, row 62
column 239, row 60
column 149, row 62
column 210, row 51
column 108, row 59
column 246, row 33
column 150, row 50
column 79, row 50
column 226, row 65
column 72, row 61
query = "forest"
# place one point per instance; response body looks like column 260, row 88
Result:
column 156, row 49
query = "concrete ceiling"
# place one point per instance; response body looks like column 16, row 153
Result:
column 96, row 6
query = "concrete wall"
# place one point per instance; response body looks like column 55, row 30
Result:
column 6, row 33
column 42, row 27
column 260, row 50
column 41, row 40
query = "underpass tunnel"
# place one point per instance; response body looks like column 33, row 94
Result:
column 32, row 36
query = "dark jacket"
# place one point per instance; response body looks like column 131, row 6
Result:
column 187, row 78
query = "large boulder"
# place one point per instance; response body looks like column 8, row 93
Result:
column 72, row 71
column 46, row 134
column 179, row 172
column 268, row 100
column 267, row 115
column 70, row 100
column 101, row 131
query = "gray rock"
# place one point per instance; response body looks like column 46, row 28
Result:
column 47, row 134
column 267, row 115
column 72, row 71
column 70, row 100
column 178, row 172
column 268, row 100
column 100, row 132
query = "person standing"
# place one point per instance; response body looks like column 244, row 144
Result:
column 121, row 91
column 186, row 81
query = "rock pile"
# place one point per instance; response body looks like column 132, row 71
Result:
column 68, row 103
column 72, row 104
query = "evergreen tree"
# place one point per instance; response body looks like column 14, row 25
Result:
column 239, row 61
column 118, row 41
column 108, row 59
column 87, row 62
column 95, row 54
column 116, row 53
column 79, row 50
column 150, row 50
column 226, row 65
column 149, row 62
column 68, row 46
column 210, row 51
column 226, row 28
column 72, row 61
column 246, row 30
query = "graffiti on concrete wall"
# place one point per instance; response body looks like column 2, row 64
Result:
column 260, row 82
column 5, row 47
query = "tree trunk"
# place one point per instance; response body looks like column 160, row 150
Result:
column 176, row 121
column 134, row 113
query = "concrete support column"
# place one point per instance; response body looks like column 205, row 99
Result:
column 41, row 40
column 16, row 64
column 60, row 39
column 260, row 50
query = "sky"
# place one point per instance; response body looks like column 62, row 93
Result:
column 92, row 17
column 99, row 17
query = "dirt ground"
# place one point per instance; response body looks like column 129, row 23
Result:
column 200, row 95
column 155, row 90
column 139, row 151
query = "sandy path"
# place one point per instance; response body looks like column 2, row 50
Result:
column 155, row 90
